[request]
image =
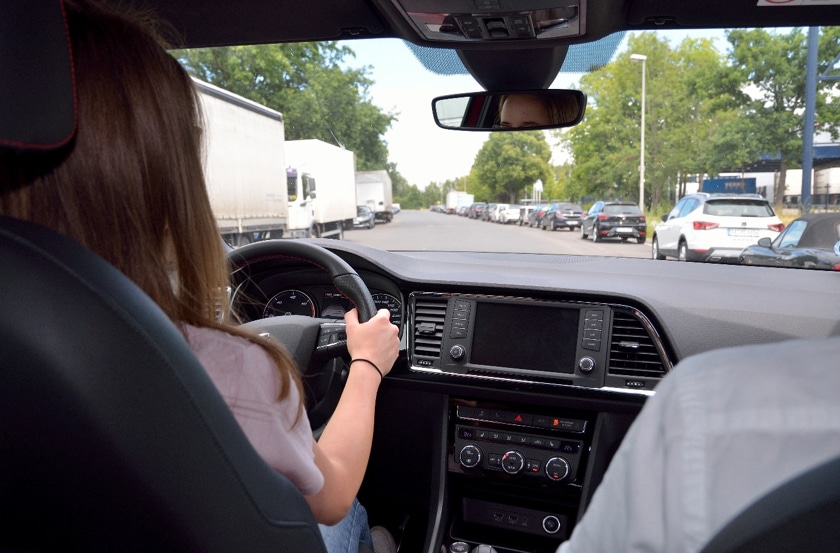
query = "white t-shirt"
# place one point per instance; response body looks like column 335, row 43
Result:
column 723, row 429
column 249, row 382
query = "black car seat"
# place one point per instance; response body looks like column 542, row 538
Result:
column 112, row 436
column 799, row 515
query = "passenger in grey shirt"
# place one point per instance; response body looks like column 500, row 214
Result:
column 724, row 428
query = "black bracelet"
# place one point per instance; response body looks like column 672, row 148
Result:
column 371, row 363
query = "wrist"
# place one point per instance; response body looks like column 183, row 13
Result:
column 370, row 366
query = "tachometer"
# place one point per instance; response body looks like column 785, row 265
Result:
column 289, row 302
column 392, row 304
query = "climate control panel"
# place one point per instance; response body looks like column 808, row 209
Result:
column 513, row 443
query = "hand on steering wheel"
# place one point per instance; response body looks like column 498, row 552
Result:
column 317, row 345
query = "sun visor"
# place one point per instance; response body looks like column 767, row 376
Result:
column 37, row 92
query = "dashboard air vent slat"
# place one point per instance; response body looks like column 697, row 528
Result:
column 632, row 350
column 429, row 318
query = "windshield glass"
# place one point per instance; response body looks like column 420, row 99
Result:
column 671, row 114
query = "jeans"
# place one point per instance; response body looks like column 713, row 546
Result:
column 345, row 536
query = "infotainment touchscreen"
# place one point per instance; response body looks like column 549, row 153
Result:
column 528, row 336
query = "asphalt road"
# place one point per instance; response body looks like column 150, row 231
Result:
column 427, row 230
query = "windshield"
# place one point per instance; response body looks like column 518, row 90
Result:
column 670, row 115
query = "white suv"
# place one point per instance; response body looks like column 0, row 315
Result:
column 714, row 227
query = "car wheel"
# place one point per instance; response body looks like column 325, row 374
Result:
column 595, row 236
column 582, row 232
column 682, row 251
column 654, row 250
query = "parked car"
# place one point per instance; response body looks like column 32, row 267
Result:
column 364, row 217
column 714, row 227
column 536, row 215
column 477, row 210
column 622, row 220
column 525, row 213
column 562, row 215
column 488, row 211
column 507, row 213
column 811, row 242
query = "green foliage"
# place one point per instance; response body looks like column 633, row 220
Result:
column 509, row 162
column 772, row 65
column 705, row 114
column 318, row 97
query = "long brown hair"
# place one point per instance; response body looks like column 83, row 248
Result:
column 131, row 185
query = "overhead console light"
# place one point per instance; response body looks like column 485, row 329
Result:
column 492, row 20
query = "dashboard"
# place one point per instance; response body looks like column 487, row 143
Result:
column 519, row 374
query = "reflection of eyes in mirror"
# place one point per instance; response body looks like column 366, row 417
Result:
column 534, row 109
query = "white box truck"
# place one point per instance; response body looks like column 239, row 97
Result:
column 374, row 189
column 320, row 186
column 244, row 166
column 456, row 200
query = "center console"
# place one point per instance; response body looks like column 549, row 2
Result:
column 515, row 475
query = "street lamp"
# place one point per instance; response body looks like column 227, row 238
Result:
column 643, row 59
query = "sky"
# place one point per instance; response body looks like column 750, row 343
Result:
column 422, row 151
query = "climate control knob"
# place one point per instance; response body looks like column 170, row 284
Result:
column 470, row 456
column 513, row 462
column 557, row 469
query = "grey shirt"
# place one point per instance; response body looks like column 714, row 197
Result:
column 724, row 428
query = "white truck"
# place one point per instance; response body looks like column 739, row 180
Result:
column 374, row 189
column 244, row 166
column 320, row 184
column 455, row 200
column 262, row 186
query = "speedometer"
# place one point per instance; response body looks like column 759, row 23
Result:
column 392, row 304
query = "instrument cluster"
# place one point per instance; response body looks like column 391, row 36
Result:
column 311, row 294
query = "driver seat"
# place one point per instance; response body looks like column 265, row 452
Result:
column 113, row 437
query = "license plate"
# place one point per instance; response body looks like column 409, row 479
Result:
column 743, row 232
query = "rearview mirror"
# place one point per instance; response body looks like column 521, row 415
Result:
column 508, row 111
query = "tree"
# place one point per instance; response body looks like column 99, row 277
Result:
column 507, row 163
column 306, row 83
column 772, row 66
column 681, row 112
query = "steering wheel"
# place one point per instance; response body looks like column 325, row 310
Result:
column 317, row 345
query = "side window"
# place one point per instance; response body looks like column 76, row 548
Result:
column 677, row 209
column 690, row 205
column 791, row 236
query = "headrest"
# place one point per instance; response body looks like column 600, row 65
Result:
column 37, row 84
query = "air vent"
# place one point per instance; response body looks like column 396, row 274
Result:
column 429, row 317
column 633, row 353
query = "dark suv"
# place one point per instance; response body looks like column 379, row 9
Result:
column 622, row 220
column 562, row 215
